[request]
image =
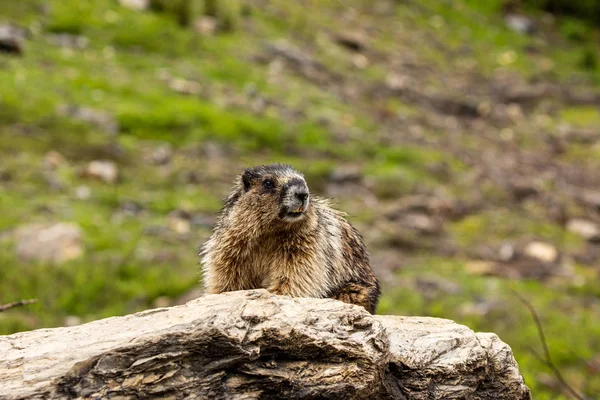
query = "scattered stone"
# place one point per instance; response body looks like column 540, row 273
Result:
column 130, row 207
column 161, row 302
column 432, row 287
column 360, row 61
column 56, row 243
column 520, row 24
column 53, row 160
column 586, row 229
column 352, row 40
column 103, row 170
column 346, row 174
column 184, row 86
column 408, row 204
column 213, row 150
column 191, row 177
column 69, row 41
column 162, row 154
column 524, row 94
column 179, row 225
column 11, row 40
column 481, row 267
column 138, row 5
column 480, row 307
column 422, row 223
column 54, row 181
column 589, row 255
column 72, row 320
column 591, row 199
column 203, row 221
column 521, row 189
column 454, row 106
column 541, row 251
column 206, row 25
column 289, row 53
column 101, row 119
column 298, row 60
column 156, row 230
column 179, row 222
column 396, row 83
column 83, row 192
column 507, row 252
column 5, row 176
column 401, row 238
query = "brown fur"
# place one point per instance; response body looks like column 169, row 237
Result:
column 259, row 242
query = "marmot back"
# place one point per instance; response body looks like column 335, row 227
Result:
column 273, row 234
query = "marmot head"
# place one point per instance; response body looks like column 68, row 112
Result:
column 278, row 190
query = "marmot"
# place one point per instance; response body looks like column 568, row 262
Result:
column 272, row 234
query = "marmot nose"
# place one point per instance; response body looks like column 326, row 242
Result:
column 302, row 196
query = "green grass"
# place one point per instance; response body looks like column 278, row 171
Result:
column 126, row 71
column 494, row 227
column 581, row 116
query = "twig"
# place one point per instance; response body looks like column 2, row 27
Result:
column 547, row 357
column 4, row 307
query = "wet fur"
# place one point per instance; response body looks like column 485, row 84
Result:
column 321, row 255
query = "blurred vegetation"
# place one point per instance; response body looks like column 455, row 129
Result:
column 588, row 10
column 216, row 101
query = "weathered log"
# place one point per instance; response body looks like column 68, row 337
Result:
column 251, row 344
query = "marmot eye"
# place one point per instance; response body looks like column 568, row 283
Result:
column 268, row 184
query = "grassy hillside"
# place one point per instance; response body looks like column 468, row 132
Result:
column 461, row 149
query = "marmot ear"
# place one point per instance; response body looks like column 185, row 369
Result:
column 246, row 180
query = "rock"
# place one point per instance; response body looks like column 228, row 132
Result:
column 432, row 287
column 541, row 251
column 206, row 25
column 185, row 86
column 206, row 221
column 161, row 302
column 586, row 229
column 352, row 40
column 251, row 345
column 481, row 267
column 161, row 155
column 11, row 39
column 442, row 206
column 72, row 320
column 290, row 53
column 83, row 192
column 507, row 252
column 298, row 60
column 130, row 207
column 422, row 223
column 520, row 23
column 591, row 199
column 53, row 160
column 103, row 170
column 5, row 176
column 138, row 5
column 69, row 41
column 589, row 255
column 56, row 243
column 418, row 349
column 521, row 189
column 101, row 119
column 178, row 224
column 188, row 296
column 345, row 174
